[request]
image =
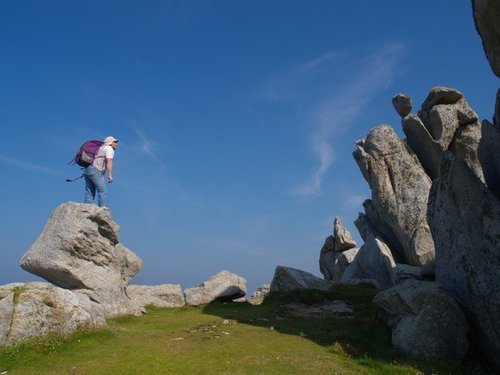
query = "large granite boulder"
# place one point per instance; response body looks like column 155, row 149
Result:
column 445, row 122
column 426, row 322
column 260, row 294
column 402, row 104
column 464, row 216
column 79, row 249
column 36, row 309
column 337, row 253
column 487, row 19
column 164, row 295
column 288, row 279
column 223, row 286
column 374, row 259
column 400, row 189
column 333, row 265
column 342, row 237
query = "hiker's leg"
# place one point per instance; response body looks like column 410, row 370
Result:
column 89, row 189
column 102, row 195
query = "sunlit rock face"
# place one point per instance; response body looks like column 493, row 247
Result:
column 79, row 249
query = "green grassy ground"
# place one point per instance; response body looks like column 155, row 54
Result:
column 231, row 338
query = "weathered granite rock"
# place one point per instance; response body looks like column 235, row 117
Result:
column 35, row 309
column 329, row 245
column 223, row 286
column 403, row 272
column 6, row 313
column 333, row 265
column 487, row 20
column 402, row 104
column 400, row 190
column 489, row 156
column 260, row 294
column 428, row 150
column 445, row 122
column 287, row 279
column 373, row 260
column 79, row 249
column 464, row 217
column 426, row 322
column 163, row 295
column 341, row 237
column 337, row 253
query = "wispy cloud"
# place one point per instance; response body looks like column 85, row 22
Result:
column 353, row 201
column 25, row 165
column 332, row 90
column 146, row 145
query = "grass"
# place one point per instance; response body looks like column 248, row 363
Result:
column 230, row 338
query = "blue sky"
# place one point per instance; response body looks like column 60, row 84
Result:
column 237, row 119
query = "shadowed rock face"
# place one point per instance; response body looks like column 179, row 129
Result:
column 426, row 321
column 464, row 217
column 487, row 20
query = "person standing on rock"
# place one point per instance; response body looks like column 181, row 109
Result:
column 94, row 173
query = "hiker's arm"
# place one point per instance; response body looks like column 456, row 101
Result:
column 109, row 168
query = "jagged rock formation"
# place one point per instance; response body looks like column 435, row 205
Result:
column 427, row 323
column 465, row 220
column 437, row 192
column 223, row 286
column 79, row 249
column 374, row 260
column 337, row 253
column 445, row 122
column 34, row 309
column 260, row 294
column 400, row 190
column 164, row 295
column 487, row 19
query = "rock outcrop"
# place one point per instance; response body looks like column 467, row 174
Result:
column 337, row 253
column 34, row 309
column 400, row 189
column 288, row 279
column 435, row 194
column 487, row 19
column 260, row 294
column 79, row 249
column 164, row 295
column 445, row 122
column 464, row 216
column 426, row 322
column 374, row 259
column 223, row 286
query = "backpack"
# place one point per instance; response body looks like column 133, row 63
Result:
column 86, row 155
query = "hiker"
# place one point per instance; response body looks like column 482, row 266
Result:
column 94, row 173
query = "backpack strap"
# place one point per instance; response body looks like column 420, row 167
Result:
column 75, row 179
